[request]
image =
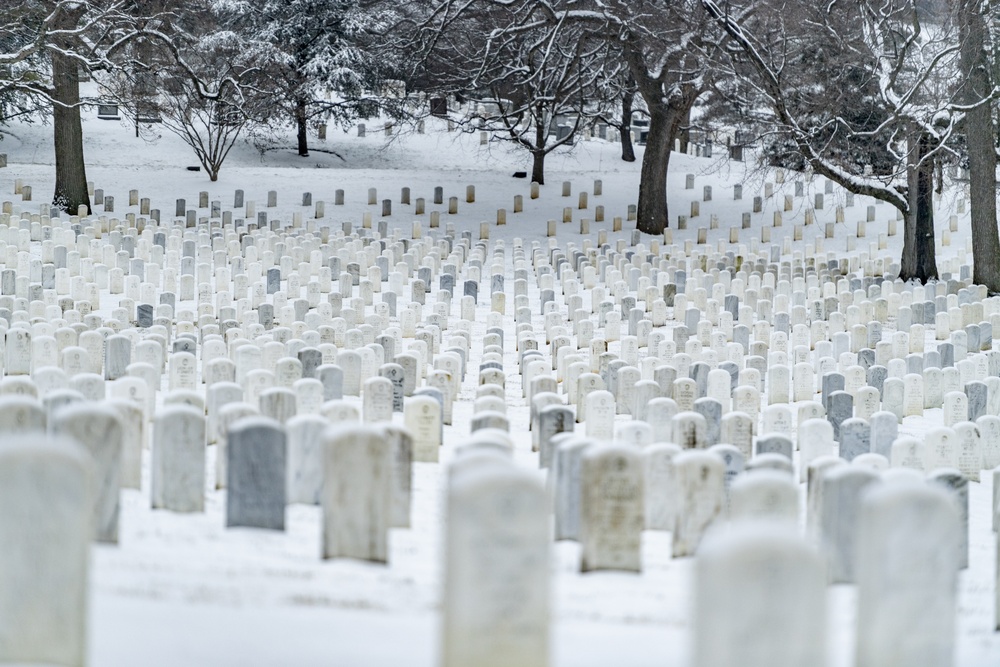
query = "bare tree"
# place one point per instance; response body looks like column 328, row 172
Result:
column 664, row 45
column 529, row 81
column 668, row 47
column 898, row 63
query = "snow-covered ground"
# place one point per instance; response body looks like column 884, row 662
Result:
column 183, row 590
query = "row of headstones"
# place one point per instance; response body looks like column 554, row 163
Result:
column 126, row 264
column 291, row 470
column 866, row 522
column 61, row 490
column 324, row 313
column 269, row 284
column 244, row 209
column 970, row 443
column 610, row 506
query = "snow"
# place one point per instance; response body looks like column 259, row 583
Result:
column 183, row 590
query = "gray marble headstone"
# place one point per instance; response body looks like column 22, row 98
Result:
column 256, row 474
column 711, row 410
column 977, row 394
column 775, row 443
column 855, row 438
column 877, row 376
column 884, row 431
column 840, row 407
column 831, row 382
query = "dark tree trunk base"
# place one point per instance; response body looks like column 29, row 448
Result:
column 538, row 168
column 302, row 128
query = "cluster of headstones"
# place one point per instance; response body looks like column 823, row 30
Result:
column 722, row 392
column 708, row 352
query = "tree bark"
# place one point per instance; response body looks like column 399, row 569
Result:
column 917, row 261
column 628, row 151
column 67, row 131
column 538, row 167
column 538, row 151
column 979, row 140
column 683, row 130
column 301, row 125
column 651, row 212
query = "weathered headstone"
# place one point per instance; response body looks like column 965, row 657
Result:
column 178, row 462
column 611, row 519
column 357, row 493
column 701, row 495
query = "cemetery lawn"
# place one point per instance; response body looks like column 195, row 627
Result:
column 181, row 589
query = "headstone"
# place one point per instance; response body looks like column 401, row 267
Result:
column 958, row 488
column 907, row 576
column 99, row 430
column 46, row 526
column 422, row 415
column 766, row 494
column 256, row 454
column 178, row 465
column 496, row 593
column 357, row 493
column 304, row 464
column 701, row 494
column 779, row 576
column 839, row 511
column 611, row 518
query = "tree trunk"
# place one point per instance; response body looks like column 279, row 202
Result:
column 918, row 261
column 684, row 131
column 628, row 152
column 301, row 126
column 651, row 213
column 979, row 140
column 538, row 152
column 538, row 167
column 67, row 132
